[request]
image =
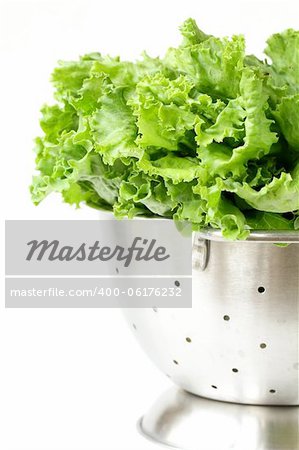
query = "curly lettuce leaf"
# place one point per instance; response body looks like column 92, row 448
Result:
column 228, row 124
column 245, row 116
column 114, row 129
column 170, row 167
column 214, row 65
column 258, row 220
column 283, row 49
column 191, row 33
column 161, row 108
column 189, row 206
column 280, row 195
column 140, row 189
column 222, row 213
column 287, row 117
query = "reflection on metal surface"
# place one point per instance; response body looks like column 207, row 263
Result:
column 181, row 420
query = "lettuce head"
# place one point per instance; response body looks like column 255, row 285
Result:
column 206, row 134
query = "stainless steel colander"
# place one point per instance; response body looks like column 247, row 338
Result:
column 239, row 341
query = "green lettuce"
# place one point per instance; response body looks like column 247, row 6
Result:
column 206, row 134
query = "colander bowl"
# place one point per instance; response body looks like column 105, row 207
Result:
column 239, row 341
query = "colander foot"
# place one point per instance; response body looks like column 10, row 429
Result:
column 183, row 421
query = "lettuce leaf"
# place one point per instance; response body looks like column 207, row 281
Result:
column 280, row 195
column 287, row 117
column 114, row 130
column 283, row 49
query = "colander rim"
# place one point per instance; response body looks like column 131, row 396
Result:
column 274, row 236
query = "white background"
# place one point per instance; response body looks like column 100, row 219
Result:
column 76, row 379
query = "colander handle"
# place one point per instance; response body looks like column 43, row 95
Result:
column 200, row 253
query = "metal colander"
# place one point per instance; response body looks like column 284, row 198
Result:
column 239, row 341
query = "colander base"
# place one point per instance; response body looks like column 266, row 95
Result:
column 181, row 420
